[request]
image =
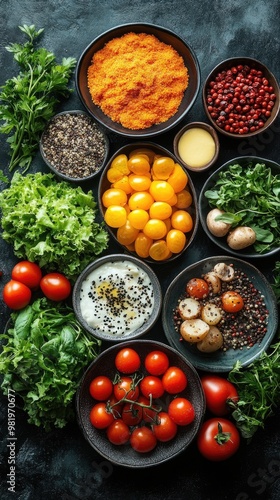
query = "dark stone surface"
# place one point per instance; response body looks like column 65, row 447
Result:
column 60, row 464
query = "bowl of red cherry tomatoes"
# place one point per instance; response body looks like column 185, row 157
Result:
column 140, row 403
column 148, row 202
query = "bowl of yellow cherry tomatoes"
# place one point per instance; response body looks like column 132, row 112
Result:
column 148, row 202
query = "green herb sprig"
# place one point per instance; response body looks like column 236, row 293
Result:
column 250, row 197
column 45, row 352
column 28, row 100
column 258, row 386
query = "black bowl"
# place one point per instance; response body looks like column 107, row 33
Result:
column 124, row 455
column 227, row 64
column 75, row 146
column 218, row 361
column 105, row 334
column 204, row 207
column 164, row 35
column 193, row 209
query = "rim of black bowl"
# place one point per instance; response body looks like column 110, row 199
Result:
column 143, row 329
column 164, row 451
column 67, row 177
column 98, row 115
column 267, row 72
column 147, row 144
column 203, row 205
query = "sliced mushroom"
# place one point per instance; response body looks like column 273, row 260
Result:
column 224, row 272
column 189, row 308
column 212, row 341
column 213, row 281
column 211, row 314
column 194, row 330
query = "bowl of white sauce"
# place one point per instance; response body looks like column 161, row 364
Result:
column 117, row 298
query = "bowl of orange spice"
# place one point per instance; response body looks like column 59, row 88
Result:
column 148, row 202
column 138, row 80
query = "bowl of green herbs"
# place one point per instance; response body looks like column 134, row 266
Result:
column 242, row 197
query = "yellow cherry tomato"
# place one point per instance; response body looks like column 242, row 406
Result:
column 184, row 199
column 142, row 245
column 161, row 190
column 159, row 250
column 115, row 216
column 113, row 196
column 140, row 199
column 155, row 229
column 127, row 234
column 139, row 182
column 123, row 184
column 138, row 218
column 176, row 240
column 178, row 179
column 160, row 210
column 138, row 165
column 163, row 167
column 182, row 220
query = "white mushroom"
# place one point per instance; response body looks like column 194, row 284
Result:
column 189, row 308
column 211, row 314
column 212, row 341
column 241, row 237
column 194, row 330
column 213, row 281
column 225, row 273
column 217, row 227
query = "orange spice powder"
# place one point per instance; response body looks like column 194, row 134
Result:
column 137, row 80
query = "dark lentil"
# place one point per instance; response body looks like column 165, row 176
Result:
column 74, row 145
column 245, row 328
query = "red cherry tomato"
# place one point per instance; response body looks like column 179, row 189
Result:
column 197, row 288
column 28, row 273
column 181, row 411
column 232, row 302
column 166, row 429
column 132, row 414
column 101, row 388
column 16, row 295
column 118, row 432
column 218, row 439
column 174, row 380
column 99, row 416
column 127, row 360
column 156, row 362
column 148, row 414
column 55, row 286
column 151, row 386
column 125, row 388
column 143, row 439
column 218, row 392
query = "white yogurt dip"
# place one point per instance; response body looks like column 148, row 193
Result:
column 117, row 298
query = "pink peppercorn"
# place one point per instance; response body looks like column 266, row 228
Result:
column 240, row 99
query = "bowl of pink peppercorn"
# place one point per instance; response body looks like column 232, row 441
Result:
column 241, row 97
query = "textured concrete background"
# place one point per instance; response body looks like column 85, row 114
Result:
column 61, row 465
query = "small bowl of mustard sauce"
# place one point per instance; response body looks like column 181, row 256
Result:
column 196, row 146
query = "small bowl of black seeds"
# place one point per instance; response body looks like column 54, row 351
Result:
column 74, row 147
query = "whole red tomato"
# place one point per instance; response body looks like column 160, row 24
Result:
column 16, row 295
column 232, row 301
column 127, row 360
column 126, row 388
column 151, row 386
column 181, row 411
column 100, row 417
column 143, row 439
column 174, row 380
column 218, row 439
column 101, row 388
column 218, row 393
column 156, row 362
column 55, row 286
column 197, row 288
column 28, row 273
column 118, row 432
column 166, row 429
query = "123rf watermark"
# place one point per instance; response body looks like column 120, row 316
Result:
column 11, row 441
